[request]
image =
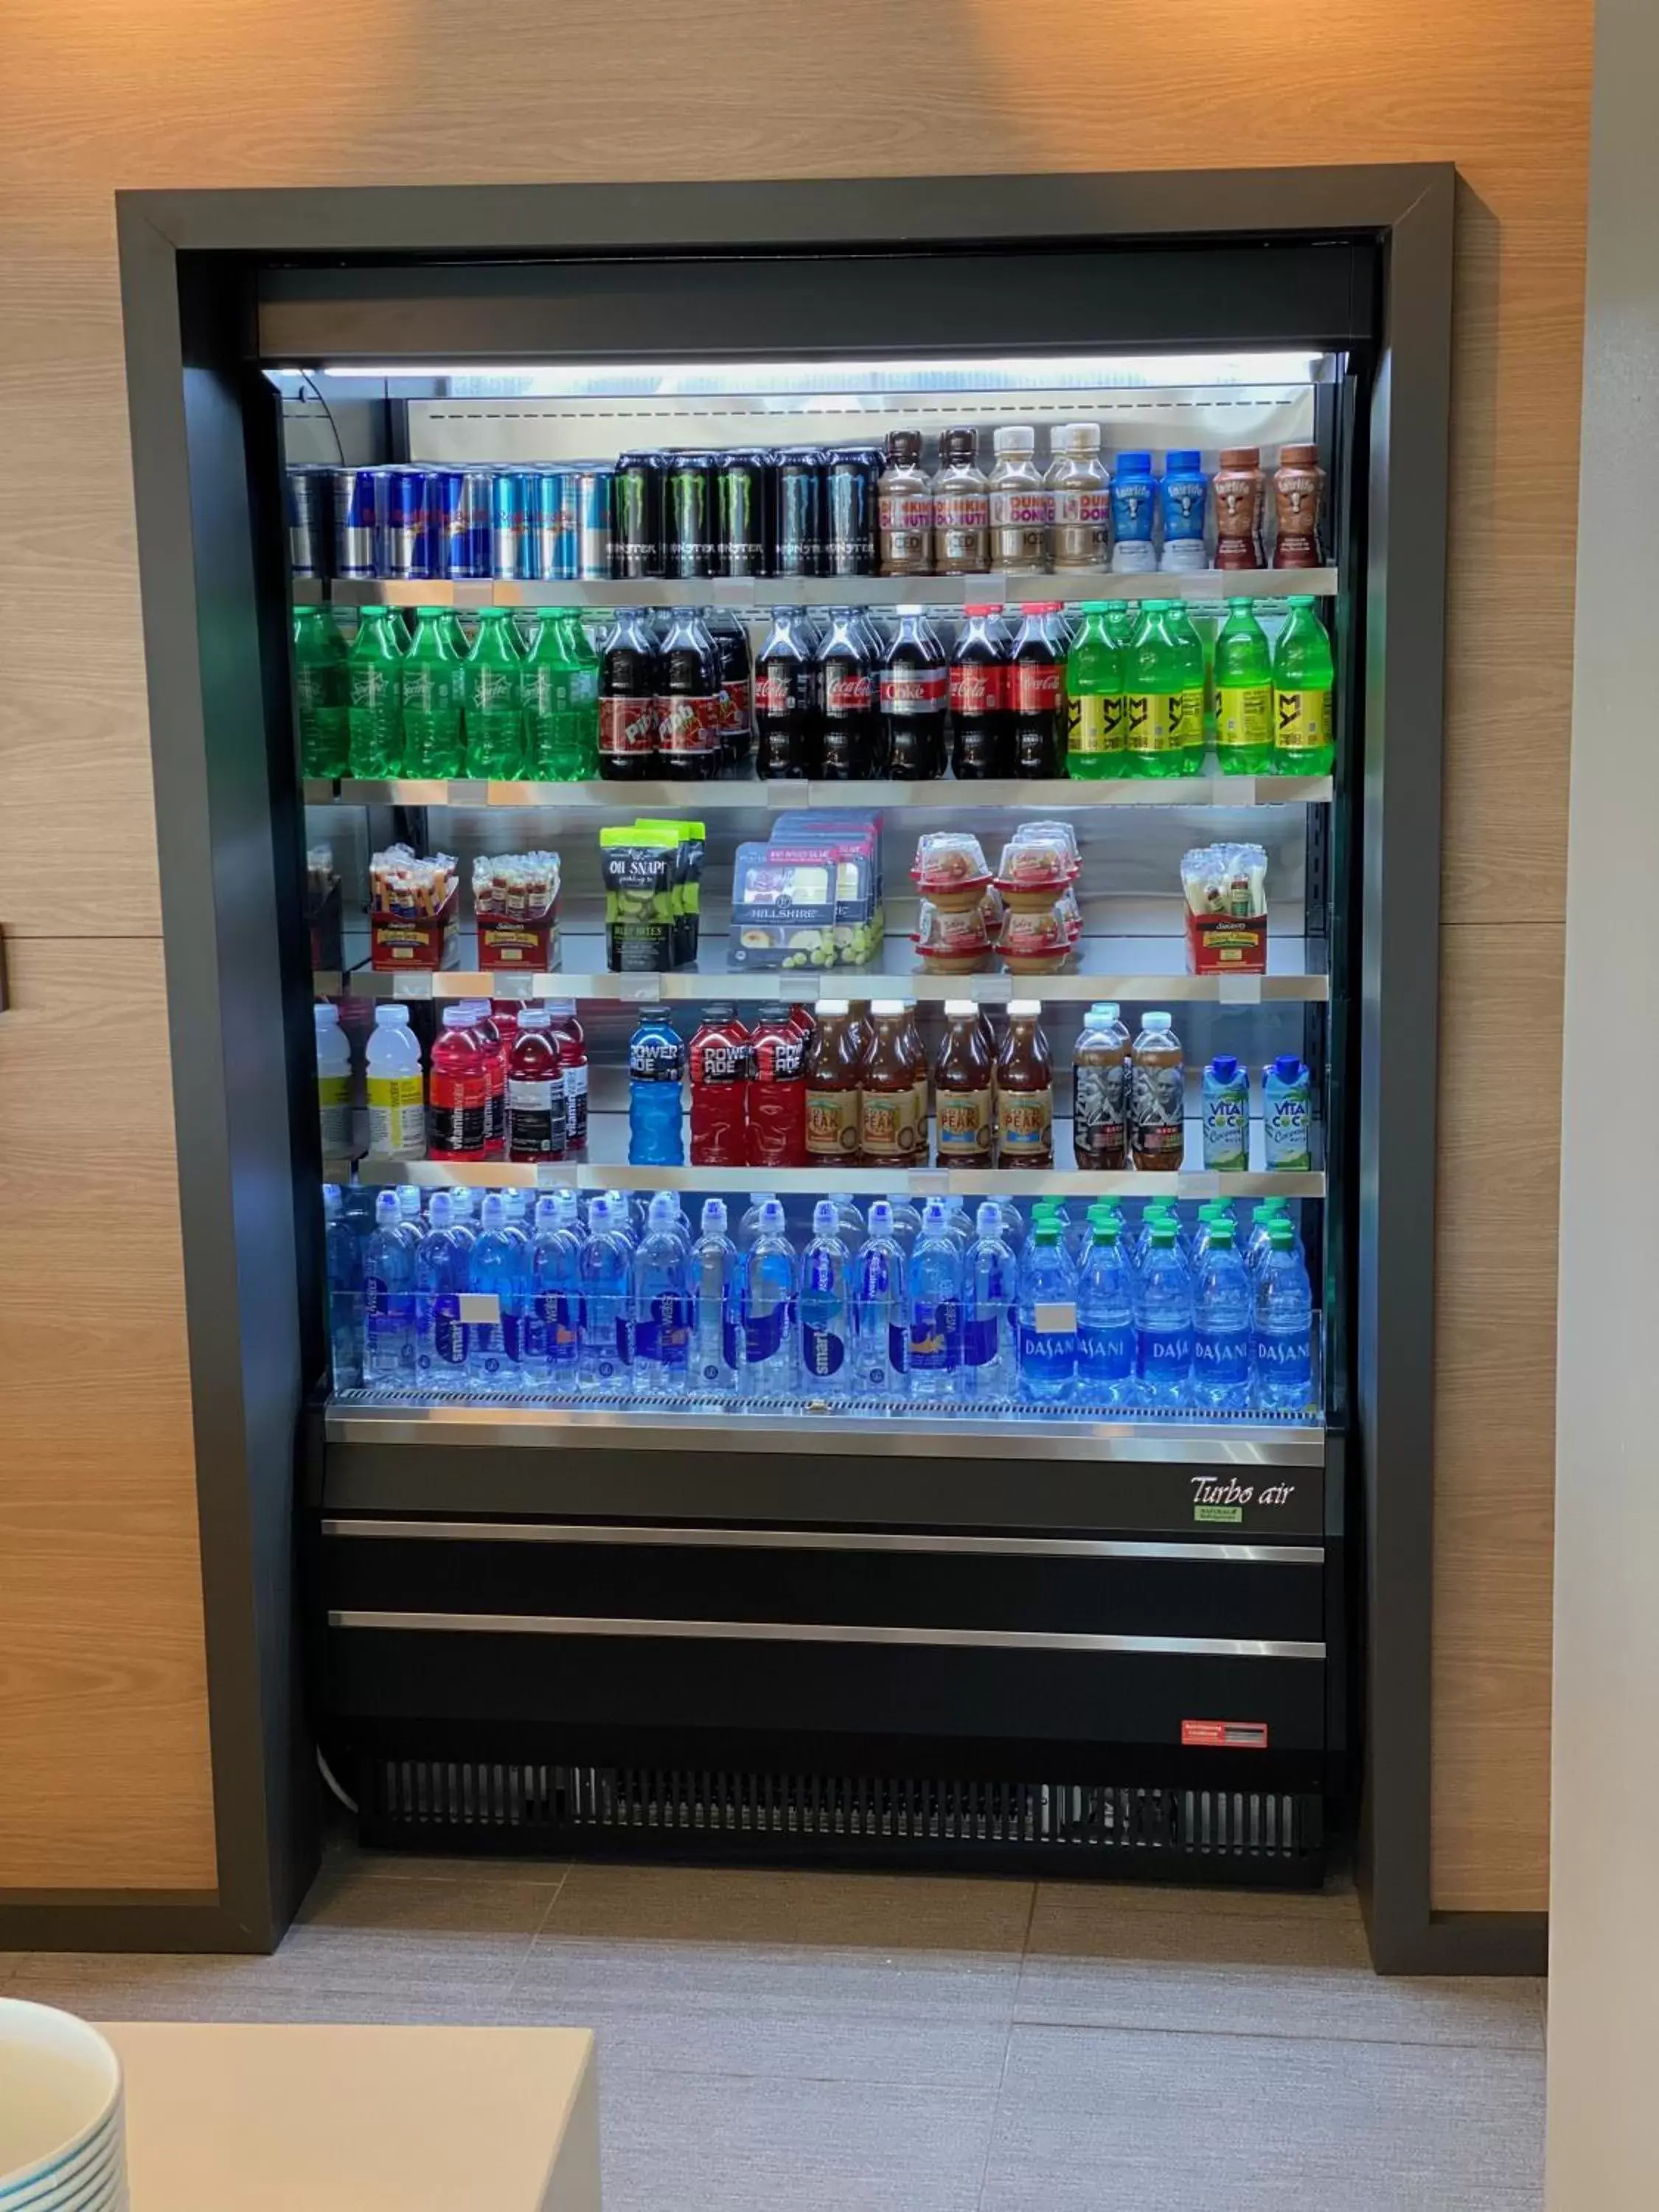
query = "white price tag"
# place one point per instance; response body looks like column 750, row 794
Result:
column 511, row 983
column 1239, row 990
column 411, row 983
column 929, row 1182
column 639, row 990
column 1058, row 1319
column 480, row 1308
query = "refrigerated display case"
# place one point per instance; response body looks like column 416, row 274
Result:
column 958, row 1614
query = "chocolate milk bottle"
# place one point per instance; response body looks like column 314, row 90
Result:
column 833, row 1087
column 1157, row 1134
column 963, row 1094
column 1025, row 1090
column 887, row 1102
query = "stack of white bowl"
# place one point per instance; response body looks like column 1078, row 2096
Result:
column 63, row 2137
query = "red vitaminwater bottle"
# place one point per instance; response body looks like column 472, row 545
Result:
column 458, row 1091
column 777, row 1091
column 488, row 1031
column 536, row 1119
column 573, row 1060
column 719, row 1054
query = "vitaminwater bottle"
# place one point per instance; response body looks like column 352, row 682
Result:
column 442, row 1339
column 1094, row 698
column 1154, row 680
column 561, row 701
column 432, row 698
column 606, row 1270
column 1304, row 736
column 1188, row 726
column 1243, row 694
column 376, row 689
column 556, row 1291
column 333, row 1082
column 345, row 1254
column 321, row 684
column 492, row 690
column 458, row 1106
column 397, row 1097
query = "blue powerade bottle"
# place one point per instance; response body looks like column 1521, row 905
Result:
column 656, row 1080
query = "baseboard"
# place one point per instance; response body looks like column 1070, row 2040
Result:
column 121, row 1920
column 1463, row 1943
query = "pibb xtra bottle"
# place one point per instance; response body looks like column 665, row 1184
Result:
column 913, row 688
column 628, row 700
column 689, row 716
column 734, row 673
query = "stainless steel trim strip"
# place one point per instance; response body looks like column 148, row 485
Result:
column 816, row 1632
column 827, row 1540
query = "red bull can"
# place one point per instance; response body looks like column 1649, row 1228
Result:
column 405, row 536
column 459, row 503
column 552, row 533
column 308, row 532
column 594, row 534
column 510, row 498
column 356, row 522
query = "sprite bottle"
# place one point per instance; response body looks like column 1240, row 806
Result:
column 1244, row 693
column 492, row 692
column 320, row 688
column 1094, row 698
column 562, row 701
column 1304, row 736
column 374, row 715
column 1189, row 719
column 432, row 698
column 1152, row 681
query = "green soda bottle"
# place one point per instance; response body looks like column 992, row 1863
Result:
column 1244, row 693
column 320, row 687
column 1094, row 698
column 561, row 702
column 375, row 713
column 1189, row 717
column 492, row 679
column 1152, row 681
column 1305, row 736
column 432, row 698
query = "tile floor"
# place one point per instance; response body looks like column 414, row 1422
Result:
column 820, row 2040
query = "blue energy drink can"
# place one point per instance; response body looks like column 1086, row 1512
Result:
column 547, row 520
column 460, row 500
column 405, row 536
column 509, row 529
column 356, row 522
column 592, row 523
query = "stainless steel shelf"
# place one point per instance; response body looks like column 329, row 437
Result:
column 941, row 798
column 997, row 586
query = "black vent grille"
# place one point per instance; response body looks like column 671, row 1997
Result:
column 635, row 1810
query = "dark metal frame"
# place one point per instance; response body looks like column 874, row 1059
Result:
column 193, row 266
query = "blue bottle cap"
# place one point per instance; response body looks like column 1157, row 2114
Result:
column 1133, row 465
column 1186, row 461
column 1224, row 1067
column 1289, row 1069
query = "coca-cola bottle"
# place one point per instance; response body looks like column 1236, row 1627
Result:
column 786, row 702
column 913, row 688
column 628, row 700
column 847, row 702
column 688, row 699
column 982, row 733
column 732, row 662
column 1038, row 677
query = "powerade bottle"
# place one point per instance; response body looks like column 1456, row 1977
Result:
column 374, row 669
column 1222, row 1312
column 1153, row 679
column 1164, row 1321
column 1105, row 1314
column 432, row 698
column 561, row 701
column 656, row 1077
column 321, row 687
column 662, row 1303
column 715, row 1287
column 935, row 1314
column 496, row 1269
column 880, row 1317
column 990, row 1327
column 1047, row 1313
column 441, row 1337
column 769, row 1368
column 553, row 1336
column 826, row 1307
column 1189, row 727
column 345, row 1288
column 606, row 1270
column 1284, row 1325
column 1094, row 698
column 1304, row 736
column 492, row 690
column 1243, row 694
column 388, row 1299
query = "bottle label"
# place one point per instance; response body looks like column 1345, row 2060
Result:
column 832, row 1125
column 627, row 727
column 978, row 687
column 1081, row 508
column 536, row 1123
column 374, row 688
column 456, row 1116
column 654, row 1058
column 496, row 691
column 1285, row 1118
column 1245, row 716
column 1094, row 724
column 913, row 690
column 688, row 729
column 961, row 519
column 576, row 1104
column 1036, row 686
column 905, row 510
column 663, row 1331
column 980, row 1336
column 935, row 1335
column 1106, row 1355
column 1303, row 720
column 784, row 688
column 334, row 1111
column 558, row 1318
column 848, row 690
column 1226, row 1122
column 1019, row 507
column 450, row 1335
column 764, row 1334
column 1287, row 1359
column 1025, row 1126
column 1099, row 1113
column 1150, row 721
column 734, row 704
column 1183, row 507
column 430, row 687
column 1166, row 1351
column 777, row 1055
column 822, row 1352
column 1187, row 728
column 887, row 1124
column 1131, row 507
column 1222, row 1355
column 1156, row 1101
column 1049, row 1350
column 964, row 1125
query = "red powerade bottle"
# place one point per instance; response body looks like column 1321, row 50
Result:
column 777, row 1091
column 720, row 1058
column 488, row 1031
column 573, row 1059
column 458, row 1090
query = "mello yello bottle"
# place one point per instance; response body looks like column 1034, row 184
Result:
column 1305, row 737
column 1152, row 681
column 1094, row 698
column 321, row 681
column 375, row 713
column 561, row 701
column 1189, row 727
column 492, row 681
column 1243, row 694
column 432, row 698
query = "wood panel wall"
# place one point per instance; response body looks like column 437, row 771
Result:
column 96, row 94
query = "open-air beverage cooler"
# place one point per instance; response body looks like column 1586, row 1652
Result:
column 830, row 807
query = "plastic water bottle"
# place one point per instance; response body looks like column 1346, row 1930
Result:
column 1287, row 1114
column 880, row 1307
column 441, row 1273
column 1261, row 1219
column 769, row 1289
column 935, row 1307
column 656, row 1077
column 1105, row 1315
column 1164, row 1321
column 409, row 1213
column 851, row 1229
column 1221, row 1320
column 1284, row 1324
column 396, row 1088
column 388, row 1299
column 990, row 1329
column 748, row 1227
column 345, row 1252
column 553, row 1347
column 606, row 1271
column 1048, row 1313
column 907, row 1225
column 496, row 1269
column 1217, row 1209
column 333, row 1082
column 661, row 1304
column 1224, row 1116
column 714, row 1282
column 826, row 1307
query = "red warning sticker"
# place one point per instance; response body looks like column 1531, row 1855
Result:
column 1225, row 1736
